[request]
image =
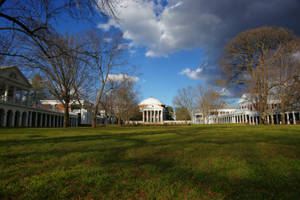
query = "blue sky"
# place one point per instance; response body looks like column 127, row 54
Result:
column 176, row 43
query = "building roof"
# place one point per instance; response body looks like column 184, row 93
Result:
column 19, row 77
column 151, row 101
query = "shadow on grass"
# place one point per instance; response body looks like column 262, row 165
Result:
column 264, row 183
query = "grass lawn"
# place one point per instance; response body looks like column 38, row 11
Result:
column 167, row 162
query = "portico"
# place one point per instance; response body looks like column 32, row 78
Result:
column 153, row 110
column 19, row 109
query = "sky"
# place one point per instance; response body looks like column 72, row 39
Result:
column 177, row 43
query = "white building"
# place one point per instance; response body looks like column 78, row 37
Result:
column 17, row 108
column 82, row 108
column 153, row 110
column 246, row 113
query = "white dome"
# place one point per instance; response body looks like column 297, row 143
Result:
column 151, row 101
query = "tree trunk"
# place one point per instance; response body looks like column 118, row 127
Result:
column 272, row 118
column 283, row 118
column 263, row 117
column 94, row 117
column 66, row 116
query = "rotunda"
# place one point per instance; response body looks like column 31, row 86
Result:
column 153, row 110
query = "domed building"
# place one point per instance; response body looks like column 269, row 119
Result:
column 153, row 110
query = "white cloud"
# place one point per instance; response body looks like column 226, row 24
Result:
column 193, row 74
column 225, row 92
column 171, row 25
column 120, row 77
column 162, row 29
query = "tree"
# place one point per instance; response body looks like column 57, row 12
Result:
column 246, row 62
column 208, row 101
column 34, row 20
column 105, row 51
column 185, row 100
column 64, row 72
column 39, row 87
column 286, row 64
column 122, row 101
column 182, row 113
column 170, row 113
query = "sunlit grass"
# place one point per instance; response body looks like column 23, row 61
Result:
column 167, row 162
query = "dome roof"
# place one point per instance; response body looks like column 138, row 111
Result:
column 151, row 101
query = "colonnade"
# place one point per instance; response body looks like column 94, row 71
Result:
column 15, row 95
column 153, row 116
column 33, row 118
column 290, row 118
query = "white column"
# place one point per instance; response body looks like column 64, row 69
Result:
column 150, row 115
column 288, row 118
column 268, row 119
column 294, row 118
column 161, row 116
column 147, row 115
column 6, row 92
column 143, row 116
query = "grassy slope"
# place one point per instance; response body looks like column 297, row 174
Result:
column 183, row 162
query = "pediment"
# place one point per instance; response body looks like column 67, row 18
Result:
column 13, row 74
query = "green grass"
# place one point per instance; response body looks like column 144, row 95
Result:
column 167, row 162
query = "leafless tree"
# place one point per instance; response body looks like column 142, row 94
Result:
column 209, row 100
column 106, row 53
column 246, row 62
column 186, row 98
column 122, row 100
column 34, row 20
column 182, row 114
column 64, row 72
column 286, row 63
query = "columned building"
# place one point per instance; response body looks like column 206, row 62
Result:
column 247, row 114
column 17, row 106
column 153, row 110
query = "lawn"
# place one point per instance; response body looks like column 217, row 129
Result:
column 167, row 162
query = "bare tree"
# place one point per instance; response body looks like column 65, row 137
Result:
column 64, row 72
column 286, row 62
column 34, row 20
column 122, row 100
column 246, row 62
column 186, row 98
column 209, row 100
column 182, row 113
column 106, row 54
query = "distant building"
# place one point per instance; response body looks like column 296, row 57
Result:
column 82, row 108
column 18, row 108
column 153, row 110
column 245, row 113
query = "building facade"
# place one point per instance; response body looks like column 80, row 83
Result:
column 18, row 107
column 153, row 110
column 246, row 113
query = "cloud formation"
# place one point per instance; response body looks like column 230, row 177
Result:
column 193, row 74
column 163, row 27
column 188, row 24
column 120, row 77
